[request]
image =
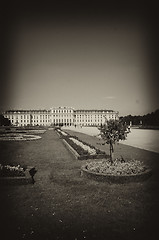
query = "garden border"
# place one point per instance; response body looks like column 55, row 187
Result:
column 83, row 157
column 76, row 154
column 71, row 149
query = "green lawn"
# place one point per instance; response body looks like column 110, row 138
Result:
column 63, row 205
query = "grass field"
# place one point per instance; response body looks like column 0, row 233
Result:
column 63, row 205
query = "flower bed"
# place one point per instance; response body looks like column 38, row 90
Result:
column 11, row 171
column 61, row 132
column 118, row 172
column 17, row 137
column 83, row 150
column 16, row 174
column 36, row 131
column 91, row 151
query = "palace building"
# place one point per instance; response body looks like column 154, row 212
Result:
column 60, row 116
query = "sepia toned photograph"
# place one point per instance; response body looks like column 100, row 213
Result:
column 79, row 121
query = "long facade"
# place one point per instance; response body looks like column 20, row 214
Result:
column 58, row 116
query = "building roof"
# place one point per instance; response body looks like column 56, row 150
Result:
column 47, row 111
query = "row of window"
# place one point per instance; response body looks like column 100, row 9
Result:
column 41, row 116
column 12, row 121
column 94, row 116
column 42, row 124
column 62, row 120
column 41, row 121
column 47, row 116
column 62, row 111
column 89, row 120
column 63, row 115
column 88, row 116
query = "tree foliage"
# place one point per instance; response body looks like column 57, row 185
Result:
column 112, row 132
column 150, row 119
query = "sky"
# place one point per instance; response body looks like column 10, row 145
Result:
column 80, row 57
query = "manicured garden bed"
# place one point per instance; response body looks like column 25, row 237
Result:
column 116, row 172
column 16, row 174
column 17, row 137
column 80, row 149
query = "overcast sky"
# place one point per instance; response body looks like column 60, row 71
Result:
column 87, row 61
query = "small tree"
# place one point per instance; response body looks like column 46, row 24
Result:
column 112, row 132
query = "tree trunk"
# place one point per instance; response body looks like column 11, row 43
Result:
column 111, row 152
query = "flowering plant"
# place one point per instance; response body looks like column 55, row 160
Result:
column 90, row 150
column 11, row 171
column 118, row 167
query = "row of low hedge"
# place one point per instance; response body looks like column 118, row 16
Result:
column 83, row 153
